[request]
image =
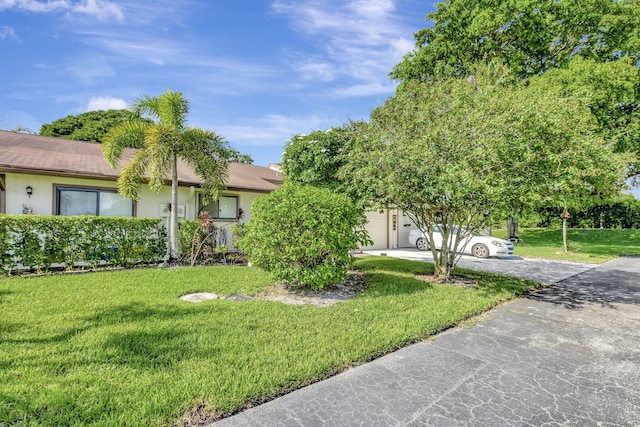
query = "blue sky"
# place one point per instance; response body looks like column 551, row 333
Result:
column 255, row 71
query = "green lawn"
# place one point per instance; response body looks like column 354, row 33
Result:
column 585, row 245
column 119, row 348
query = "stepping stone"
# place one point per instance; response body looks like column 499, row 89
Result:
column 198, row 297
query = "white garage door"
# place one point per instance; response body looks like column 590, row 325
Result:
column 377, row 228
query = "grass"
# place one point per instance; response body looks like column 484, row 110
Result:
column 585, row 245
column 119, row 348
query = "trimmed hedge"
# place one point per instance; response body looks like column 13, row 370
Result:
column 35, row 242
column 616, row 214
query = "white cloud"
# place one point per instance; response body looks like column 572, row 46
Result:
column 362, row 41
column 90, row 69
column 317, row 71
column 272, row 129
column 106, row 103
column 369, row 89
column 7, row 32
column 103, row 10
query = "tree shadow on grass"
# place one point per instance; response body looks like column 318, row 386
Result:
column 491, row 283
column 155, row 337
column 383, row 284
column 150, row 349
column 3, row 295
column 393, row 276
column 138, row 312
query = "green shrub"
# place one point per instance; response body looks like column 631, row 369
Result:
column 303, row 235
column 573, row 246
column 35, row 242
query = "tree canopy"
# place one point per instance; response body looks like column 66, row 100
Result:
column 591, row 47
column 449, row 152
column 315, row 159
column 90, row 126
column 160, row 145
column 530, row 36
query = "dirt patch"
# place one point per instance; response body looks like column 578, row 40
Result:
column 330, row 295
column 460, row 281
column 199, row 415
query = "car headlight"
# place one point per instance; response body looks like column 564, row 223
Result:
column 497, row 243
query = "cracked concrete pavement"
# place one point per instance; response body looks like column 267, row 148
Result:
column 566, row 355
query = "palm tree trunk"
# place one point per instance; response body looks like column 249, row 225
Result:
column 173, row 214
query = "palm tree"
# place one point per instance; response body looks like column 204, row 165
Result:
column 160, row 144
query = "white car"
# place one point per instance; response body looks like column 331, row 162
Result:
column 476, row 244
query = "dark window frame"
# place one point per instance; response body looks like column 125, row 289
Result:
column 87, row 189
column 215, row 207
column 3, row 193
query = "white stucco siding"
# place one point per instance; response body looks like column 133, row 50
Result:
column 150, row 205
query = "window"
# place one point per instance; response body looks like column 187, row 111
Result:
column 2, row 193
column 91, row 201
column 226, row 207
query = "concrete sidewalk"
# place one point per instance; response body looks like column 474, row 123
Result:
column 566, row 355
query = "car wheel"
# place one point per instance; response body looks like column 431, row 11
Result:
column 422, row 244
column 480, row 251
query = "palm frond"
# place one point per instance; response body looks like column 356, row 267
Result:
column 125, row 135
column 132, row 175
column 162, row 142
column 173, row 109
column 205, row 152
column 146, row 105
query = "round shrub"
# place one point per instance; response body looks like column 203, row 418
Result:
column 303, row 235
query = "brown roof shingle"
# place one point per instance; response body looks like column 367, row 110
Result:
column 44, row 155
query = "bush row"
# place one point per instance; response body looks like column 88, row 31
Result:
column 619, row 214
column 38, row 243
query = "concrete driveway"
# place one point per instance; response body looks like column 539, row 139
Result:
column 540, row 270
column 567, row 355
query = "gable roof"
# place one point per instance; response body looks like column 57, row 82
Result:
column 45, row 155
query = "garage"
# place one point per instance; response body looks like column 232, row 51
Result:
column 378, row 226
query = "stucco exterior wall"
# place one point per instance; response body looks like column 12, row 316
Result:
column 150, row 205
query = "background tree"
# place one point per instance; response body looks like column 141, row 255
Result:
column 316, row 158
column 160, row 145
column 22, row 129
column 530, row 36
column 237, row 157
column 596, row 43
column 90, row 126
column 447, row 151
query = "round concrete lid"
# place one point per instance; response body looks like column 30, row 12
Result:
column 198, row 297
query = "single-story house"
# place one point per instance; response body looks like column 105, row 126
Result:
column 54, row 176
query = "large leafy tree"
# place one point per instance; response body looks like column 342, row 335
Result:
column 161, row 144
column 90, row 126
column 530, row 36
column 594, row 44
column 447, row 152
